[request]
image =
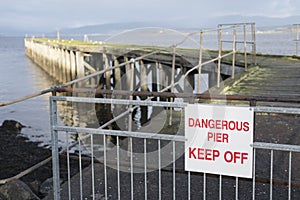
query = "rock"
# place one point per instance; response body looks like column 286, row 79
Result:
column 34, row 186
column 12, row 125
column 17, row 190
column 46, row 187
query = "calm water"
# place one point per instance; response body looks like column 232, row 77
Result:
column 20, row 77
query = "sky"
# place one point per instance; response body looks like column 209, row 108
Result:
column 50, row 15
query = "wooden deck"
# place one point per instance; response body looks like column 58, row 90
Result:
column 274, row 76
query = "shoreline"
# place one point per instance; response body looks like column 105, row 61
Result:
column 17, row 154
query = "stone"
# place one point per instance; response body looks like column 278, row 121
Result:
column 46, row 187
column 13, row 125
column 17, row 190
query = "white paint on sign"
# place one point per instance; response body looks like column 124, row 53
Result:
column 219, row 139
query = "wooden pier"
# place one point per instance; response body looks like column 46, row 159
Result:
column 276, row 76
column 131, row 67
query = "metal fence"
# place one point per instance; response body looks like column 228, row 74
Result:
column 147, row 165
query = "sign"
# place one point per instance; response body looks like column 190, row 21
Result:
column 219, row 139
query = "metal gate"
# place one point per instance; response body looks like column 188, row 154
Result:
column 142, row 164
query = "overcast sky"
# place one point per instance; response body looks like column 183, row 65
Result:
column 49, row 15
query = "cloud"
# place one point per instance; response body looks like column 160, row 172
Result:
column 47, row 15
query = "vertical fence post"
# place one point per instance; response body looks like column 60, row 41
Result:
column 55, row 154
column 172, row 82
column 131, row 82
column 130, row 145
column 220, row 54
column 253, row 43
column 245, row 47
column 297, row 38
column 200, row 61
column 233, row 51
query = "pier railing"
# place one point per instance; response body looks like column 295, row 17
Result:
column 296, row 31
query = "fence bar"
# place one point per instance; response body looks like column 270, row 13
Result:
column 177, row 138
column 131, row 88
column 93, row 169
column 55, row 155
column 290, row 174
column 276, row 147
column 204, row 186
column 271, row 175
column 69, row 170
column 159, row 171
column 253, row 179
column 145, row 167
column 80, row 168
column 220, row 187
column 296, row 30
column 219, row 56
column 131, row 167
column 200, row 61
column 172, row 82
column 233, row 50
column 282, row 99
column 118, row 167
column 174, row 172
column 236, row 188
column 189, row 185
column 105, row 164
column 297, row 40
column 254, row 44
column 245, row 47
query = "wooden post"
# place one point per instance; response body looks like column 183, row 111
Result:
column 162, row 77
column 61, row 64
column 117, row 74
column 79, row 64
column 154, row 77
column 144, row 87
column 57, row 63
column 108, row 73
column 68, row 67
column 73, row 65
column 107, row 82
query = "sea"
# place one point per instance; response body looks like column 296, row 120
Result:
column 19, row 77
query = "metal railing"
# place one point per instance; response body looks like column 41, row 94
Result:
column 117, row 173
column 296, row 30
column 232, row 30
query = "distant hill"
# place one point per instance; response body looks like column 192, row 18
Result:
column 262, row 23
column 113, row 28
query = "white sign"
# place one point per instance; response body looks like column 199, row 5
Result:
column 219, row 139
